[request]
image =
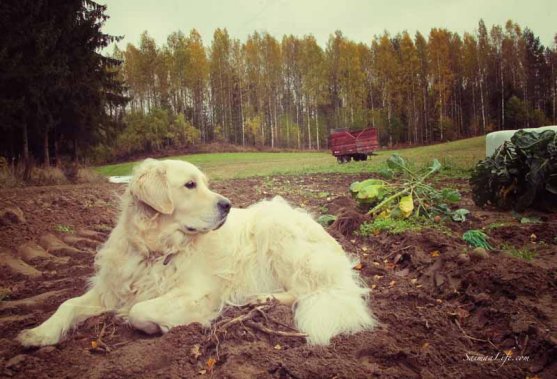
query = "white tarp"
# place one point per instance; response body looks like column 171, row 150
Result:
column 495, row 139
column 119, row 179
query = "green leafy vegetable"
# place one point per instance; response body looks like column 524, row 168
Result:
column 521, row 173
column 397, row 163
column 460, row 215
column 476, row 238
column 450, row 195
column 369, row 191
column 530, row 220
column 326, row 220
column 386, row 172
column 411, row 195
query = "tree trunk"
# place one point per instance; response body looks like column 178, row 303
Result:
column 271, row 124
column 25, row 153
column 46, row 156
column 554, row 76
column 527, row 104
column 474, row 110
column 288, row 126
column 308, row 125
column 372, row 106
column 276, row 122
column 502, row 96
column 317, row 143
column 298, row 125
column 242, row 115
column 57, row 160
column 482, row 105
column 389, row 124
column 441, row 87
column 230, row 118
column 414, row 114
column 75, row 155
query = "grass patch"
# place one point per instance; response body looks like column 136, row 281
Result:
column 88, row 175
column 458, row 158
column 64, row 229
column 47, row 176
column 497, row 225
column 522, row 253
column 391, row 226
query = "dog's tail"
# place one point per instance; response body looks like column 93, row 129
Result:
column 327, row 313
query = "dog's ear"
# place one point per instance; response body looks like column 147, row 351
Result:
column 150, row 186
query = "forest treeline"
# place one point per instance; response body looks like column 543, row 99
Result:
column 59, row 96
column 56, row 88
column 291, row 92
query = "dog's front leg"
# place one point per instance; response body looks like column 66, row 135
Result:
column 173, row 309
column 68, row 315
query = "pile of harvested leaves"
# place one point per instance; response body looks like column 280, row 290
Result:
column 409, row 195
column 521, row 173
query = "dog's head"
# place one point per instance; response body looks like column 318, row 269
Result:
column 179, row 192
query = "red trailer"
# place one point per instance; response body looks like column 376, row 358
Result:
column 358, row 144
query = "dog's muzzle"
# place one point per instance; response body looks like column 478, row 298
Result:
column 221, row 223
column 224, row 207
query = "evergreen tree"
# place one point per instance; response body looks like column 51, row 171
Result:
column 54, row 84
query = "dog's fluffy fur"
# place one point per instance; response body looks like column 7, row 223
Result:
column 171, row 261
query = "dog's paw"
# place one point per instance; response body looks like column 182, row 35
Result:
column 37, row 337
column 260, row 299
column 285, row 298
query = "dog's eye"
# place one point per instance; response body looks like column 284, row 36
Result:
column 190, row 185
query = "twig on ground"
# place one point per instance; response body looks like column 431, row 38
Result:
column 525, row 345
column 473, row 338
column 247, row 320
column 224, row 324
column 271, row 319
column 98, row 345
column 264, row 329
column 397, row 251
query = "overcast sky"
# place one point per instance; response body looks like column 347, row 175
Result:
column 359, row 20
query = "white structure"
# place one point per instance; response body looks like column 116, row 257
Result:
column 495, row 139
column 119, row 179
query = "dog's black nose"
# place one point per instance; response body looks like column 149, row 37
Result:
column 224, row 206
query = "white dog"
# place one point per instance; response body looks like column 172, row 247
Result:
column 172, row 260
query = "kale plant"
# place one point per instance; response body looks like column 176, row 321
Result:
column 520, row 174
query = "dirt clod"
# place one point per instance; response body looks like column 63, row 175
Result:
column 463, row 258
column 480, row 253
column 91, row 234
column 30, row 251
column 54, row 245
column 17, row 266
column 348, row 220
column 80, row 242
column 15, row 361
column 11, row 215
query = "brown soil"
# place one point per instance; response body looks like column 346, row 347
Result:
column 438, row 308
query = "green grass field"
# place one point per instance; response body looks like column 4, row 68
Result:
column 457, row 157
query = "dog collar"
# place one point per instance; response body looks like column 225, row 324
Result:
column 154, row 256
column 168, row 258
